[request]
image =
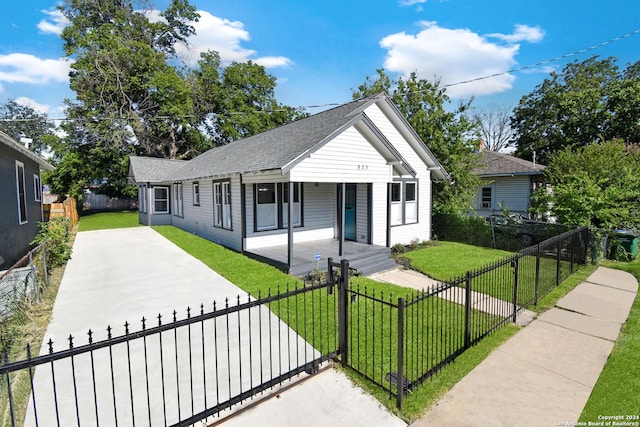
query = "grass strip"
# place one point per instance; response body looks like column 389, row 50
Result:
column 108, row 220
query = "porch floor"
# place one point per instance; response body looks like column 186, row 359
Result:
column 368, row 259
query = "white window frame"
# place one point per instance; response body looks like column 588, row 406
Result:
column 178, row 208
column 396, row 203
column 222, row 217
column 156, row 199
column 37, row 188
column 266, row 213
column 196, row 193
column 484, row 204
column 21, row 193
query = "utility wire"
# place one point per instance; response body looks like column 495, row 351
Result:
column 307, row 107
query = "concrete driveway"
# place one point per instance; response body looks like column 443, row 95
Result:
column 123, row 275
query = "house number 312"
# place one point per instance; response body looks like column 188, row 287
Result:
column 363, row 167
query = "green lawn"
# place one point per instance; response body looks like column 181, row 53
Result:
column 617, row 391
column 108, row 220
column 447, row 260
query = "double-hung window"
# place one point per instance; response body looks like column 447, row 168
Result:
column 21, row 193
column 178, row 208
column 222, row 204
column 486, row 197
column 266, row 207
column 403, row 200
column 160, row 200
column 271, row 205
column 37, row 188
column 196, row 194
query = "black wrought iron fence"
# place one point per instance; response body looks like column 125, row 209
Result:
column 398, row 343
column 182, row 371
column 177, row 372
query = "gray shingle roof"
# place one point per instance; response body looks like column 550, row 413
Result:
column 271, row 150
column 274, row 148
column 10, row 142
column 152, row 169
column 501, row 164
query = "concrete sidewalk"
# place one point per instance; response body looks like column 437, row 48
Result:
column 545, row 373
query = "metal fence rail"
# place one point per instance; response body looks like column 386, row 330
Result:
column 182, row 371
column 398, row 343
column 23, row 280
column 177, row 372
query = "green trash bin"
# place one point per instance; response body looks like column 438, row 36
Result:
column 628, row 239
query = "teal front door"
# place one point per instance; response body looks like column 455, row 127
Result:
column 350, row 212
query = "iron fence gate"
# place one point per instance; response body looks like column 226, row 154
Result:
column 183, row 371
column 177, row 372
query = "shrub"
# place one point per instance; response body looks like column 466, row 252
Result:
column 55, row 237
column 471, row 230
column 398, row 248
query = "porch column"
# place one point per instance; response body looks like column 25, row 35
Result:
column 343, row 191
column 290, row 226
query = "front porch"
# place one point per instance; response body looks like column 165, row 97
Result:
column 367, row 259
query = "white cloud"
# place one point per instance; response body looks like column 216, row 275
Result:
column 223, row 36
column 453, row 56
column 55, row 22
column 273, row 61
column 26, row 68
column 28, row 102
column 521, row 33
column 411, row 2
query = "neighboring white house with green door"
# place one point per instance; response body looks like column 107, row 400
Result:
column 360, row 164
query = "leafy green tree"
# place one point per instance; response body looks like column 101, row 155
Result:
column 589, row 101
column 448, row 132
column 133, row 97
column 596, row 185
column 22, row 121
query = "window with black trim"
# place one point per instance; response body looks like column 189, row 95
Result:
column 271, row 205
column 160, row 200
column 222, row 204
column 403, row 198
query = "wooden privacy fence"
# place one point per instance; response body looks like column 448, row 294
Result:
column 67, row 209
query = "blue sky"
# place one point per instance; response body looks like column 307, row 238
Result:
column 320, row 51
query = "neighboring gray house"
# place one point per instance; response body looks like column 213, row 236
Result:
column 21, row 195
column 359, row 164
column 507, row 181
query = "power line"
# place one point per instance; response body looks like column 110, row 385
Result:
column 334, row 104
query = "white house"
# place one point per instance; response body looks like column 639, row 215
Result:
column 360, row 165
column 507, row 181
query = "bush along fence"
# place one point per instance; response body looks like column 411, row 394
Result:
column 180, row 372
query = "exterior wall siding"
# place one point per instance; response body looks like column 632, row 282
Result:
column 15, row 238
column 420, row 230
column 513, row 192
column 347, row 158
column 362, row 214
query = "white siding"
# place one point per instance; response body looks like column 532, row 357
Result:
column 362, row 214
column 199, row 219
column 421, row 230
column 349, row 157
column 513, row 192
column 379, row 214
